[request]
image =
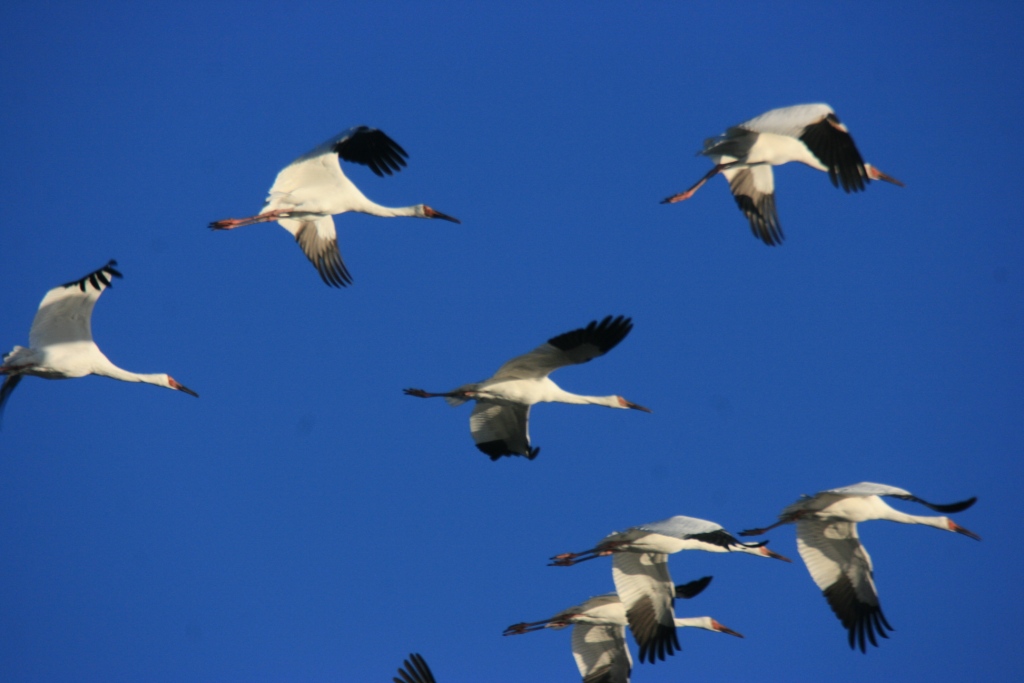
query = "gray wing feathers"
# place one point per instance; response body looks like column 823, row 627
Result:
column 319, row 242
column 681, row 526
column 503, row 422
column 601, row 653
column 645, row 588
column 753, row 188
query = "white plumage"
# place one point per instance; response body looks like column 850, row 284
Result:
column 808, row 133
column 599, row 638
column 60, row 340
column 499, row 422
column 826, row 534
column 308, row 191
column 642, row 580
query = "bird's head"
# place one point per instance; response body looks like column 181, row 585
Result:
column 716, row 626
column 953, row 526
column 424, row 211
column 763, row 550
column 172, row 384
column 876, row 174
column 623, row 403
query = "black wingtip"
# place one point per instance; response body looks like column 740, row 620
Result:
column 605, row 335
column 951, row 507
column 693, row 588
column 498, row 449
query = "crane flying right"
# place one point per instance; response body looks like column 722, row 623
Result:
column 499, row 422
column 308, row 191
column 745, row 153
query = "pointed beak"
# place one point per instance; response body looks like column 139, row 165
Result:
column 181, row 387
column 953, row 526
column 637, row 406
column 431, row 213
column 724, row 629
column 771, row 553
column 875, row 174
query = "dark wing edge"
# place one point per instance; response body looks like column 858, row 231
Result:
column 693, row 588
column 762, row 214
column 99, row 279
column 833, row 145
column 414, row 670
column 604, row 335
column 655, row 640
column 862, row 620
column 496, row 449
column 324, row 255
column 371, row 147
column 948, row 508
column 724, row 539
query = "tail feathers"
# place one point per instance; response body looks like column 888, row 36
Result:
column 16, row 354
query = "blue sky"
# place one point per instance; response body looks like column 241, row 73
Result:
column 303, row 520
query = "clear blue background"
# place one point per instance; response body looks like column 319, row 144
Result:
column 305, row 521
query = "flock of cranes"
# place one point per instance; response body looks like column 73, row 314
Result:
column 309, row 191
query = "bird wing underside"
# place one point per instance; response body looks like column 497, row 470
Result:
column 502, row 429
column 834, row 148
column 753, row 188
column 570, row 348
column 841, row 568
column 414, row 670
column 645, row 588
column 370, row 147
column 319, row 242
column 65, row 312
column 601, row 653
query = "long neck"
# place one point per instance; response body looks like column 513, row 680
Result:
column 695, row 622
column 559, row 395
column 375, row 209
column 903, row 518
column 107, row 369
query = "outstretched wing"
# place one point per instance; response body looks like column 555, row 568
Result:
column 753, row 188
column 841, row 567
column 502, row 429
column 571, row 348
column 370, row 147
column 65, row 313
column 818, row 127
column 867, row 488
column 319, row 242
column 414, row 670
column 601, row 653
column 692, row 588
column 645, row 588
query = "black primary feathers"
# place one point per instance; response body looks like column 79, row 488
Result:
column 371, row 147
column 835, row 149
column 99, row 279
column 603, row 337
column 414, row 670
